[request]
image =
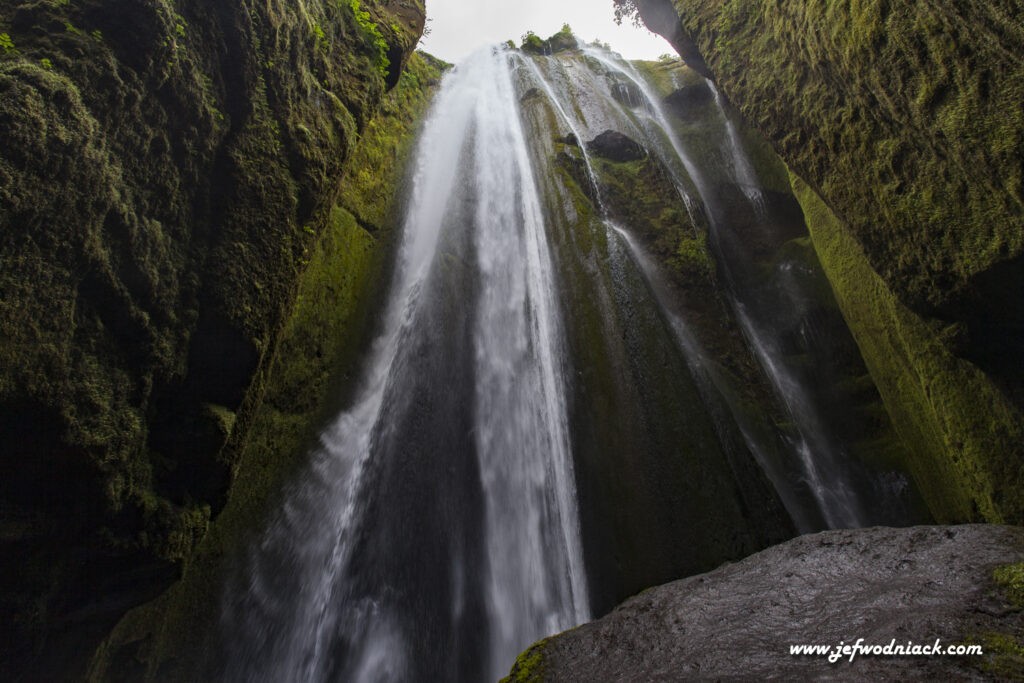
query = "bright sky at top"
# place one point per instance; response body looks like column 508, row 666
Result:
column 457, row 27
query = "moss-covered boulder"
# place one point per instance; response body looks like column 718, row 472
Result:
column 165, row 170
column 903, row 126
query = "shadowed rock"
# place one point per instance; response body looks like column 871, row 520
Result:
column 627, row 93
column 615, row 146
column 688, row 102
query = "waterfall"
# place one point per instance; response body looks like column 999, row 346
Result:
column 825, row 467
column 435, row 533
column 536, row 568
column 742, row 169
column 502, row 469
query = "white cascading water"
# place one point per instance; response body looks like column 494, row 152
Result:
column 536, row 560
column 320, row 596
column 707, row 377
column 822, row 466
column 741, row 169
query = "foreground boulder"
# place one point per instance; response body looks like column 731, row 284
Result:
column 918, row 584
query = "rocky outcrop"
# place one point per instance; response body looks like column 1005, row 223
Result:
column 615, row 146
column 905, row 140
column 166, row 170
column 626, row 92
column 687, row 103
column 559, row 42
column 958, row 585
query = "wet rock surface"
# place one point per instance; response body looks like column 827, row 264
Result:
column 896, row 154
column 615, row 146
column 917, row 584
column 688, row 103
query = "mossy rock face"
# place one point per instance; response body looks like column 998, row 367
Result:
column 905, row 118
column 165, row 169
column 902, row 122
column 529, row 666
column 176, row 637
column 664, row 489
column 965, row 438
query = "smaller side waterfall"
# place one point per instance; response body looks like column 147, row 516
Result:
column 742, row 169
column 714, row 388
column 825, row 466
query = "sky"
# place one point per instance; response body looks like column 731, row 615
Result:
column 457, row 27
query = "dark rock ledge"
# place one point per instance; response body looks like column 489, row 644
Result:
column 615, row 146
column 879, row 584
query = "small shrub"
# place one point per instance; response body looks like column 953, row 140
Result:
column 532, row 43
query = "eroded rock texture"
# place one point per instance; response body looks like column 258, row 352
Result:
column 737, row 622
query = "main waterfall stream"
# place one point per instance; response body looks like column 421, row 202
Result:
column 537, row 432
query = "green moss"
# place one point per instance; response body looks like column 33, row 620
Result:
column 529, row 666
column 901, row 116
column 668, row 75
column 1010, row 577
column 964, row 438
column 1003, row 655
column 692, row 256
column 372, row 35
column 314, row 360
column 368, row 192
